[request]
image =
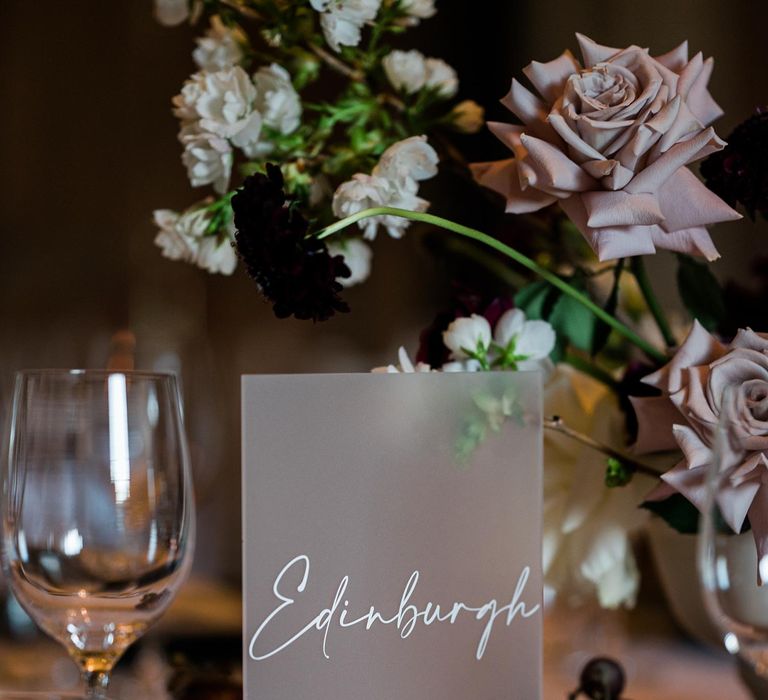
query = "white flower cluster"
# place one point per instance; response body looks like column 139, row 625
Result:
column 411, row 71
column 514, row 344
column 342, row 20
column 220, row 48
column 183, row 237
column 221, row 108
column 394, row 182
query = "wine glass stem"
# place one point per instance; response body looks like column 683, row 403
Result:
column 96, row 683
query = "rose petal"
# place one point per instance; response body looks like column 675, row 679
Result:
column 621, row 209
column 554, row 168
column 736, row 502
column 503, row 177
column 593, row 52
column 700, row 101
column 691, row 241
column 524, row 104
column 689, row 74
column 657, row 173
column 758, row 519
column 747, row 338
column 676, row 58
column 697, row 454
column 699, row 348
column 549, row 78
column 581, row 149
column 687, row 203
column 609, row 243
column 655, row 417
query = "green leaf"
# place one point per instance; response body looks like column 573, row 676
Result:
column 700, row 292
column 537, row 299
column 677, row 511
column 574, row 321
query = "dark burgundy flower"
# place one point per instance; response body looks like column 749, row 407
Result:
column 294, row 272
column 739, row 173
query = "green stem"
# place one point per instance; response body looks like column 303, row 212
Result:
column 644, row 282
column 511, row 253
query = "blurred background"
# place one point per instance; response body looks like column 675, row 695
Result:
column 88, row 148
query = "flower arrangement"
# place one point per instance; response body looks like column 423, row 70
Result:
column 317, row 87
column 601, row 156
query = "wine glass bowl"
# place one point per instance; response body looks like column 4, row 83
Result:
column 98, row 516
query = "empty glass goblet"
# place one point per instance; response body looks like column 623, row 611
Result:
column 98, row 512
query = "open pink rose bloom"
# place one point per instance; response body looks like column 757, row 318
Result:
column 609, row 141
column 707, row 383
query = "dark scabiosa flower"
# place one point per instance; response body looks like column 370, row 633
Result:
column 739, row 173
column 294, row 272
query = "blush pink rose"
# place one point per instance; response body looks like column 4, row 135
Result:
column 706, row 384
column 609, row 141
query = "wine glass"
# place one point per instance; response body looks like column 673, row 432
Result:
column 734, row 580
column 98, row 512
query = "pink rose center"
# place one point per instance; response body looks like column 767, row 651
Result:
column 602, row 87
column 756, row 398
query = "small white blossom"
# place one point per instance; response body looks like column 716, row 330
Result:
column 357, row 257
column 406, row 70
column 185, row 237
column 342, row 20
column 276, row 99
column 410, row 159
column 405, row 366
column 468, row 117
column 467, row 337
column 393, row 183
column 180, row 233
column 524, row 342
column 171, row 12
column 441, row 77
column 462, row 366
column 223, row 104
column 216, row 256
column 359, row 193
column 208, row 159
column 220, row 48
column 419, row 9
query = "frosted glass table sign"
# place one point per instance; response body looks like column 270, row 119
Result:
column 392, row 536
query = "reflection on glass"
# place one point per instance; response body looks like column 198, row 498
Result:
column 98, row 513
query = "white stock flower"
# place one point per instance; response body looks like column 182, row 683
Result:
column 171, row 12
column 342, row 20
column 441, row 77
column 420, row 9
column 216, row 256
column 393, row 183
column 357, row 257
column 587, row 527
column 523, row 341
column 410, row 159
column 411, row 71
column 462, row 366
column 406, row 70
column 468, row 336
column 405, row 366
column 276, row 99
column 223, row 103
column 359, row 193
column 220, row 48
column 468, row 116
column 208, row 159
column 180, row 234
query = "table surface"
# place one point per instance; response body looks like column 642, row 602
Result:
column 660, row 663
